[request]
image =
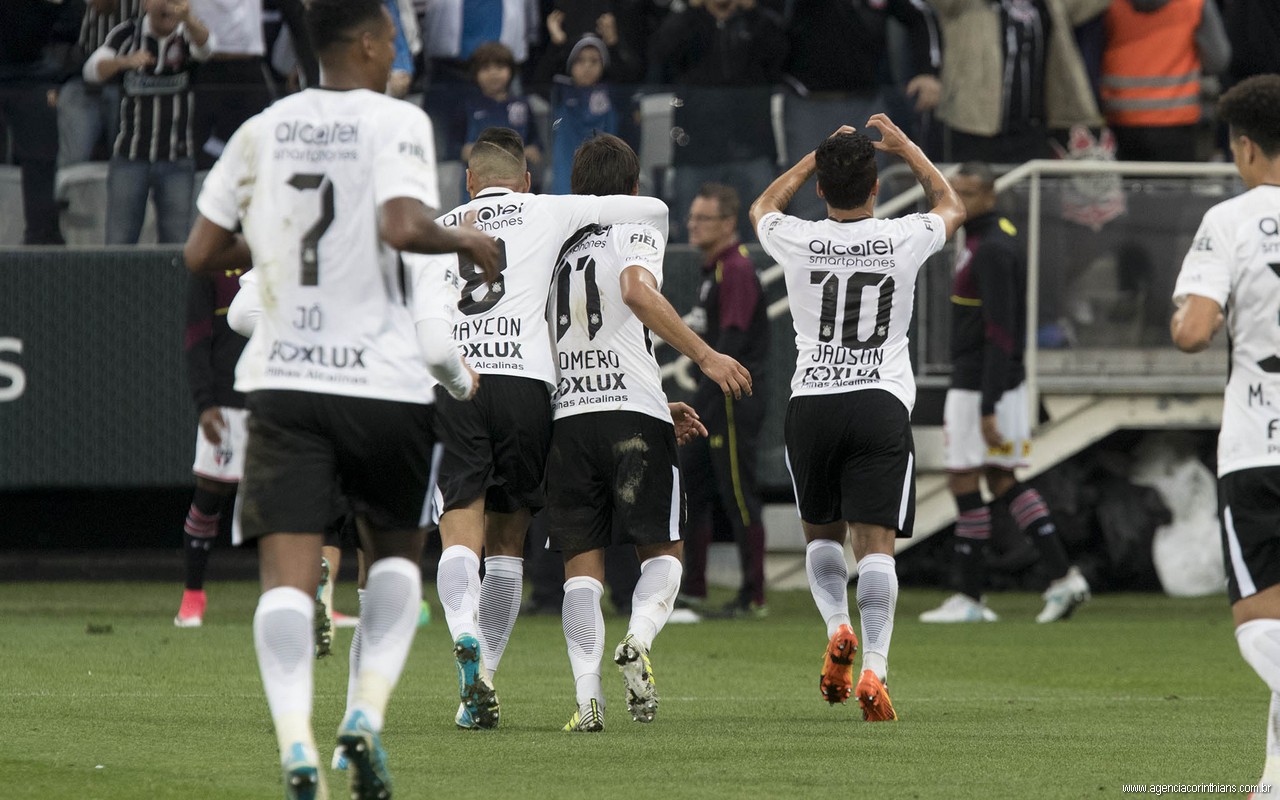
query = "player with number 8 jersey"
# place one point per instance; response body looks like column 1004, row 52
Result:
column 496, row 446
column 851, row 283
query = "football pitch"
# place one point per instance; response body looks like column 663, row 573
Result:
column 105, row 699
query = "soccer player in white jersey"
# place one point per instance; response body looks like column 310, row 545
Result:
column 496, row 447
column 1233, row 269
column 613, row 446
column 324, row 184
column 851, row 283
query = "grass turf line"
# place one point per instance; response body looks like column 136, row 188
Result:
column 1135, row 689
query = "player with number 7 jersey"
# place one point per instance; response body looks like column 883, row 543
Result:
column 851, row 283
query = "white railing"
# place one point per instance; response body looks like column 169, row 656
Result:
column 1031, row 172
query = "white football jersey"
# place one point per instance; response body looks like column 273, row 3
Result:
column 851, row 287
column 1235, row 261
column 305, row 179
column 604, row 354
column 501, row 327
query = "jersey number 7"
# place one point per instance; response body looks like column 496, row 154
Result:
column 305, row 181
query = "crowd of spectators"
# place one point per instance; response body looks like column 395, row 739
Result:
column 751, row 80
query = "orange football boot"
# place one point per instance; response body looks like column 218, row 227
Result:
column 874, row 699
column 837, row 666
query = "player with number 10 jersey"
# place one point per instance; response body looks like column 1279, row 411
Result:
column 850, row 284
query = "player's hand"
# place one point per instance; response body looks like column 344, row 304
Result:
column 181, row 9
column 399, row 82
column 991, row 432
column 478, row 246
column 688, row 425
column 212, row 424
column 927, row 90
column 732, row 377
column 892, row 139
column 475, row 382
column 607, row 29
column 555, row 27
column 138, row 59
column 844, row 129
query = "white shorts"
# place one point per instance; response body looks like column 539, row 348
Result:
column 962, row 430
column 223, row 462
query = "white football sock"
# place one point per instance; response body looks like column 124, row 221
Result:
column 1259, row 642
column 828, row 581
column 500, row 594
column 877, row 599
column 284, row 637
column 388, row 619
column 584, row 633
column 1271, row 773
column 353, row 657
column 654, row 598
column 458, row 582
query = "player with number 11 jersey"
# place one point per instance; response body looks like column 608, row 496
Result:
column 496, row 446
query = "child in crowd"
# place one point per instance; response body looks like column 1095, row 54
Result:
column 496, row 105
column 582, row 107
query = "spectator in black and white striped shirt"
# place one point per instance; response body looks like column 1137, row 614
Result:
column 87, row 113
column 153, row 57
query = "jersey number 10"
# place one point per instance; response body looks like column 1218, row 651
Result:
column 854, row 285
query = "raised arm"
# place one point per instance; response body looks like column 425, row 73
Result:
column 943, row 199
column 640, row 293
column 784, row 187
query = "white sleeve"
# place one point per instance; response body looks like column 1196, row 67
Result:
column 578, row 211
column 405, row 164
column 642, row 246
column 223, row 187
column 766, row 232
column 435, row 337
column 90, row 70
column 246, row 306
column 202, row 52
column 1206, row 270
column 436, row 288
column 927, row 233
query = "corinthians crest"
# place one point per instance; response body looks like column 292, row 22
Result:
column 1091, row 200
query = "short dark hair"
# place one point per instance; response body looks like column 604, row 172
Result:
column 604, row 164
column 846, row 169
column 726, row 198
column 498, row 153
column 331, row 22
column 487, row 53
column 980, row 170
column 1252, row 108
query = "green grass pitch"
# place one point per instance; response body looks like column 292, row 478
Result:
column 1135, row 689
